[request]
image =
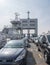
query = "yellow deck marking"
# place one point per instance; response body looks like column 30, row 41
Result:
column 40, row 56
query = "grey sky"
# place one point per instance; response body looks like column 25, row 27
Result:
column 38, row 9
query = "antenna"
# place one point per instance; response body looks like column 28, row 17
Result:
column 28, row 14
column 16, row 16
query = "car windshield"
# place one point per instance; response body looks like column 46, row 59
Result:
column 48, row 36
column 14, row 44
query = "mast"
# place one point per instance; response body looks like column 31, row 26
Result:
column 28, row 14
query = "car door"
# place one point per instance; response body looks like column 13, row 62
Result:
column 40, row 42
column 43, row 45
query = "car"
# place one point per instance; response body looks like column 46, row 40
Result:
column 14, row 52
column 44, row 46
column 25, row 39
column 36, row 41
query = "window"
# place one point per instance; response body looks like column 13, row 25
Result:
column 48, row 36
column 40, row 38
column 24, row 24
column 32, row 24
column 24, row 21
column 25, row 31
column 43, row 39
column 32, row 31
column 32, row 21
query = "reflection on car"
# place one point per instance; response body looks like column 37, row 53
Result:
column 14, row 52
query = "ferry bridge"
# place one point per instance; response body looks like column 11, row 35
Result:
column 27, row 27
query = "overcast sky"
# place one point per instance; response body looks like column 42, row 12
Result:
column 39, row 9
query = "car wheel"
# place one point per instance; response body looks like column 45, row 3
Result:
column 45, row 57
column 24, row 62
column 37, row 44
column 38, row 49
column 33, row 41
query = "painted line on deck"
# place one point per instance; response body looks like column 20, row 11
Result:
column 40, row 56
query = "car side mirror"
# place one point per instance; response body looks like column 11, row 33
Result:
column 45, row 45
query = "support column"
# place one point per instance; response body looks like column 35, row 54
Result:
column 36, row 33
column 36, row 28
column 28, row 24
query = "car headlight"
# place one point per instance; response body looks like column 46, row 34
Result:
column 21, row 56
column 49, row 47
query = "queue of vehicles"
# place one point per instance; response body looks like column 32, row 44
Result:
column 43, row 44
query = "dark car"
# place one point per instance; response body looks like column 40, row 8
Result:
column 14, row 52
column 44, row 46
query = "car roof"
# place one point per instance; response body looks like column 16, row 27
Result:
column 15, row 41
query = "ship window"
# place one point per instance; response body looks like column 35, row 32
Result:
column 32, row 24
column 32, row 21
column 25, row 21
column 24, row 24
